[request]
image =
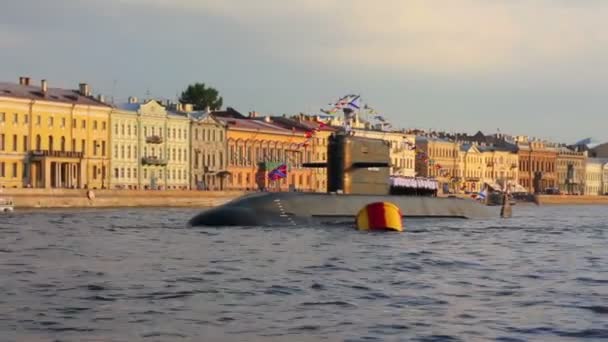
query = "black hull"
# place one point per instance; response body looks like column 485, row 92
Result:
column 289, row 208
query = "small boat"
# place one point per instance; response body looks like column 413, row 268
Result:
column 6, row 205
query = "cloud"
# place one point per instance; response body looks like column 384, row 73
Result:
column 432, row 36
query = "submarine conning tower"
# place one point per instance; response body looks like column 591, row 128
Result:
column 356, row 165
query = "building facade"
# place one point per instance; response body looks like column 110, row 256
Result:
column 500, row 167
column 53, row 138
column 256, row 147
column 594, row 175
column 472, row 168
column 537, row 165
column 439, row 159
column 125, row 146
column 570, row 167
column 162, row 150
column 208, row 152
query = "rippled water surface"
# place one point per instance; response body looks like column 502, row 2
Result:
column 142, row 275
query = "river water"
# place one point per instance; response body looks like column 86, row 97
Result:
column 143, row 275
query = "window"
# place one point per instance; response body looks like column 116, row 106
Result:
column 15, row 118
column 95, row 124
column 38, row 120
column 116, row 129
column 2, row 117
column 74, row 125
column 129, row 130
column 38, row 142
column 1, row 169
column 95, row 146
column 14, row 170
column 51, row 121
column 145, row 173
column 179, row 155
column 62, row 122
column 116, row 173
column 145, row 131
column 50, row 143
column 129, row 173
column 83, row 146
column 196, row 134
column 2, row 142
column 122, row 152
column 129, row 152
column 115, row 151
column 122, row 129
column 103, row 125
column 122, row 172
column 25, row 147
column 73, row 145
column 84, row 124
column 103, row 148
column 62, row 144
column 26, row 119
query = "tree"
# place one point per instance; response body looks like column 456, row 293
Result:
column 201, row 97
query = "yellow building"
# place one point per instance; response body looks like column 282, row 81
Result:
column 160, row 143
column 257, row 146
column 471, row 168
column 125, row 148
column 439, row 159
column 594, row 174
column 501, row 167
column 51, row 137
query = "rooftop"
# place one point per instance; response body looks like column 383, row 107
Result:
column 31, row 92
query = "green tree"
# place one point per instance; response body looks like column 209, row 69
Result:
column 201, row 97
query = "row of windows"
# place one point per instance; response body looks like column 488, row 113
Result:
column 131, row 151
column 209, row 135
column 404, row 163
column 247, row 180
column 5, row 174
column 248, row 156
column 208, row 159
column 51, row 121
column 131, row 130
column 99, row 147
column 131, row 173
column 536, row 165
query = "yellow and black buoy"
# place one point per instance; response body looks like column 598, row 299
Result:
column 380, row 216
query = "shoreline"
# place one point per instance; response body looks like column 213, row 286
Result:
column 79, row 198
column 68, row 198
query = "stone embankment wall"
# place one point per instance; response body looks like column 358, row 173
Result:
column 64, row 198
column 570, row 199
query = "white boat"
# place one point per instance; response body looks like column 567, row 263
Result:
column 6, row 205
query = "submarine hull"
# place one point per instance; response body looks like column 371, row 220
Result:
column 291, row 208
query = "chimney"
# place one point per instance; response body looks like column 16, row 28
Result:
column 101, row 98
column 207, row 110
column 132, row 99
column 253, row 115
column 188, row 107
column 44, row 86
column 24, row 81
column 84, row 89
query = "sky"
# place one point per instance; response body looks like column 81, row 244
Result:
column 525, row 67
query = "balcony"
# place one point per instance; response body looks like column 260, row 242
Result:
column 154, row 139
column 153, row 161
column 56, row 154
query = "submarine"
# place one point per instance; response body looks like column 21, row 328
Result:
column 357, row 174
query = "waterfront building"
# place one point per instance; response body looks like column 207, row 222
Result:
column 125, row 163
column 208, row 152
column 471, row 166
column 52, row 137
column 605, row 179
column 594, row 174
column 439, row 159
column 537, row 164
column 570, row 165
column 258, row 146
column 318, row 143
column 163, row 147
column 500, row 167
